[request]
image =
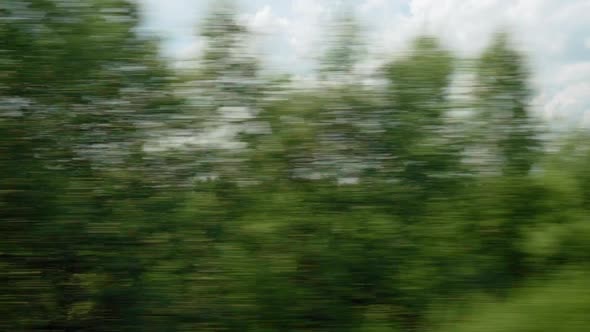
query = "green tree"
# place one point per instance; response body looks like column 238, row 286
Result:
column 79, row 84
column 344, row 47
column 424, row 157
column 502, row 92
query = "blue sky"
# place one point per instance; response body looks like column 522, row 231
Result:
column 555, row 34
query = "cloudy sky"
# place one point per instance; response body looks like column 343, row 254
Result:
column 554, row 34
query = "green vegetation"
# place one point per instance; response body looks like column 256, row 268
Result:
column 342, row 207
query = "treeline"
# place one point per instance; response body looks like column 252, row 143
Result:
column 135, row 198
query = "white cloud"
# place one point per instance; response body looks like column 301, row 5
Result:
column 569, row 104
column 308, row 8
column 465, row 25
column 306, row 27
column 369, row 5
column 566, row 99
column 572, row 73
column 264, row 21
column 553, row 33
column 192, row 50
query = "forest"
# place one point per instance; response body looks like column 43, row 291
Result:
column 135, row 196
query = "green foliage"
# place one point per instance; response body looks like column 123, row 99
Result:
column 502, row 92
column 557, row 304
column 345, row 207
column 345, row 47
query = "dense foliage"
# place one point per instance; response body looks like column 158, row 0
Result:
column 345, row 206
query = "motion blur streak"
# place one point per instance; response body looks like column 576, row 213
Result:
column 219, row 196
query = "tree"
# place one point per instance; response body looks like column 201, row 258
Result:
column 344, row 47
column 502, row 95
column 423, row 156
column 80, row 84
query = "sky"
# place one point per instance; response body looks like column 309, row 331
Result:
column 553, row 34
